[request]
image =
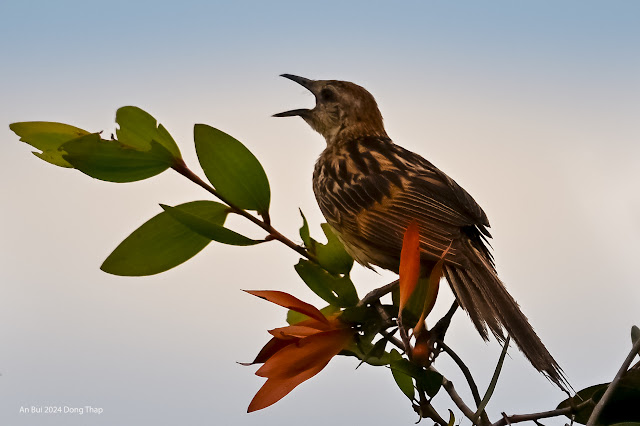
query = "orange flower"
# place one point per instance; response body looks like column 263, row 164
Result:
column 409, row 263
column 296, row 352
column 409, row 272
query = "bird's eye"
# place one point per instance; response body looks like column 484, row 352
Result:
column 327, row 95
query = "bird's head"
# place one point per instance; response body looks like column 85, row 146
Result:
column 343, row 110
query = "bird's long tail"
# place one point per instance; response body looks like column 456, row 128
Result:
column 491, row 308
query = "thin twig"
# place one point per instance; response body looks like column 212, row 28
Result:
column 455, row 397
column 518, row 418
column 376, row 294
column 607, row 394
column 465, row 370
column 493, row 383
column 392, row 339
column 428, row 411
column 406, row 340
column 383, row 314
column 265, row 224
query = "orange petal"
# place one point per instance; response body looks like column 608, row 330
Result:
column 268, row 350
column 422, row 349
column 432, row 290
column 293, row 332
column 434, row 283
column 275, row 389
column 290, row 302
column 409, row 263
column 305, row 354
column 331, row 324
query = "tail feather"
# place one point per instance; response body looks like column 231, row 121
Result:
column 483, row 296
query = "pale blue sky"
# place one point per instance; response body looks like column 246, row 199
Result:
column 532, row 106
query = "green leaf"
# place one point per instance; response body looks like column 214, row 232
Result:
column 162, row 243
column 209, row 229
column 114, row 162
column 376, row 354
column 452, row 419
column 335, row 290
column 430, row 381
column 366, row 316
column 47, row 137
column 367, row 352
column 493, row 383
column 582, row 416
column 413, row 309
column 621, row 408
column 427, row 380
column 332, row 256
column 294, row 317
column 305, row 235
column 232, row 169
column 635, row 334
column 400, row 368
column 138, row 129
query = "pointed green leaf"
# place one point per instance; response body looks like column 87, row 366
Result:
column 114, row 162
column 209, row 229
column 399, row 369
column 368, row 317
column 138, row 129
column 335, row 290
column 232, row 169
column 305, row 235
column 47, row 137
column 413, row 308
column 377, row 354
column 332, row 256
column 427, row 380
column 452, row 419
column 162, row 242
column 430, row 381
column 493, row 383
column 635, row 334
column 294, row 317
column 367, row 352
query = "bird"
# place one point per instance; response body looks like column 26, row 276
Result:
column 370, row 189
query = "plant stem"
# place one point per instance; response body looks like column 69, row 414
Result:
column 465, row 370
column 182, row 168
column 426, row 410
column 455, row 397
column 376, row 294
column 517, row 418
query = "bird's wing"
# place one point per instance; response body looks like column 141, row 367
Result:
column 394, row 186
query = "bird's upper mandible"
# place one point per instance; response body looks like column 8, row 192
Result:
column 343, row 110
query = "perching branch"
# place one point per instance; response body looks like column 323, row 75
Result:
column 455, row 397
column 265, row 224
column 426, row 410
column 376, row 294
column 465, row 371
column 518, row 418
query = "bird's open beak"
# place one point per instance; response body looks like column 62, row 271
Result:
column 307, row 84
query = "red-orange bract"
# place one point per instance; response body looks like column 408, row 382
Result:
column 432, row 291
column 409, row 263
column 296, row 352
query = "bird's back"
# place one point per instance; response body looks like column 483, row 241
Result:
column 369, row 189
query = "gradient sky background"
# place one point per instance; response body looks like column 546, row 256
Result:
column 533, row 107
